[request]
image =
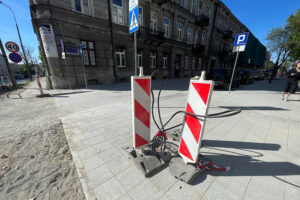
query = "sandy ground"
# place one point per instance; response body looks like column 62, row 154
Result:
column 35, row 161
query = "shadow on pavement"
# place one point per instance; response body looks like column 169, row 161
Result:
column 245, row 165
column 253, row 107
column 65, row 94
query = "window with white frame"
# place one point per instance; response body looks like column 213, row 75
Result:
column 199, row 63
column 117, row 12
column 196, row 37
column 153, row 59
column 166, row 27
column 120, row 55
column 189, row 35
column 140, row 16
column 165, row 61
column 193, row 63
column 139, row 59
column 82, row 6
column 179, row 32
column 88, row 52
column 186, row 63
column 153, row 22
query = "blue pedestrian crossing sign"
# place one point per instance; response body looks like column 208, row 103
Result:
column 240, row 42
column 134, row 20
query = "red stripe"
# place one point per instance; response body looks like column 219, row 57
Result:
column 145, row 85
column 203, row 90
column 141, row 113
column 139, row 141
column 193, row 123
column 184, row 150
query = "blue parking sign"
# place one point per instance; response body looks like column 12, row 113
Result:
column 241, row 39
column 134, row 20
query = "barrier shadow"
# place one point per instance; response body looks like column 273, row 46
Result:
column 254, row 108
column 246, row 165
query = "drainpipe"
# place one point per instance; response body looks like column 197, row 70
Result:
column 211, row 37
column 112, row 38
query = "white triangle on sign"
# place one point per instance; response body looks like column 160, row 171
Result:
column 133, row 21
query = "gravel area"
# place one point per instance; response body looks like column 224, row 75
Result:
column 35, row 160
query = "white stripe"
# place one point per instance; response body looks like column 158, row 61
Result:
column 141, row 129
column 196, row 102
column 141, row 96
column 190, row 141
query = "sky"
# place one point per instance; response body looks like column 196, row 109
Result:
column 259, row 16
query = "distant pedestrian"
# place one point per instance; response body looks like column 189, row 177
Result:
column 270, row 76
column 291, row 84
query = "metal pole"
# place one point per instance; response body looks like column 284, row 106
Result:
column 135, row 70
column 12, row 78
column 68, row 74
column 236, row 59
column 84, row 71
column 24, row 53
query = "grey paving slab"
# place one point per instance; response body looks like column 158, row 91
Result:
column 262, row 144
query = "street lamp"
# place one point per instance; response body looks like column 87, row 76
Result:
column 25, row 58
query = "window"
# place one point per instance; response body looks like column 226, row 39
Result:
column 196, row 38
column 120, row 55
column 186, row 63
column 179, row 32
column 200, row 7
column 182, row 3
column 139, row 59
column 117, row 12
column 193, row 63
column 140, row 16
column 203, row 38
column 166, row 27
column 82, row 6
column 152, row 59
column 165, row 62
column 199, row 63
column 189, row 35
column 88, row 52
column 193, row 6
column 153, row 22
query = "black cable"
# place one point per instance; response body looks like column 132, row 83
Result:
column 158, row 109
column 152, row 95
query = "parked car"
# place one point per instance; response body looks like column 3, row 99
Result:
column 246, row 77
column 222, row 78
column 255, row 74
column 261, row 75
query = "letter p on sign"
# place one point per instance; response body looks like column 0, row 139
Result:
column 241, row 38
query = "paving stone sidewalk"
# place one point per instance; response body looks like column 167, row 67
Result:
column 262, row 143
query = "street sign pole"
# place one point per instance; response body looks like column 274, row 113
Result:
column 12, row 78
column 235, row 63
column 135, row 63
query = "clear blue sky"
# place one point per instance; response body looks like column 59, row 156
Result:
column 258, row 15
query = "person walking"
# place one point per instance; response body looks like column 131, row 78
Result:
column 291, row 84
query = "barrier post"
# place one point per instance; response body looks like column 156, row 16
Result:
column 199, row 97
column 141, row 107
column 39, row 84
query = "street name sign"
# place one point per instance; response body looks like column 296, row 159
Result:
column 133, row 4
column 240, row 42
column 15, row 57
column 12, row 47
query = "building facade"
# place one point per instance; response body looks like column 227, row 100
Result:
column 176, row 38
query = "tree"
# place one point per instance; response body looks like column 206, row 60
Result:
column 294, row 36
column 278, row 45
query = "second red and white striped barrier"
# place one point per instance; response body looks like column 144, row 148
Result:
column 39, row 84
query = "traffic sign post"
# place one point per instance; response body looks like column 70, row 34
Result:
column 15, row 57
column 239, row 45
column 134, row 25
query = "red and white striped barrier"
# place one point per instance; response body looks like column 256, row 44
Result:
column 141, row 107
column 39, row 83
column 212, row 166
column 198, row 101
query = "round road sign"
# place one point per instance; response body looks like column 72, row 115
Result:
column 12, row 47
column 15, row 57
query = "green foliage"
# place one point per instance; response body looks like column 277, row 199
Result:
column 294, row 36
